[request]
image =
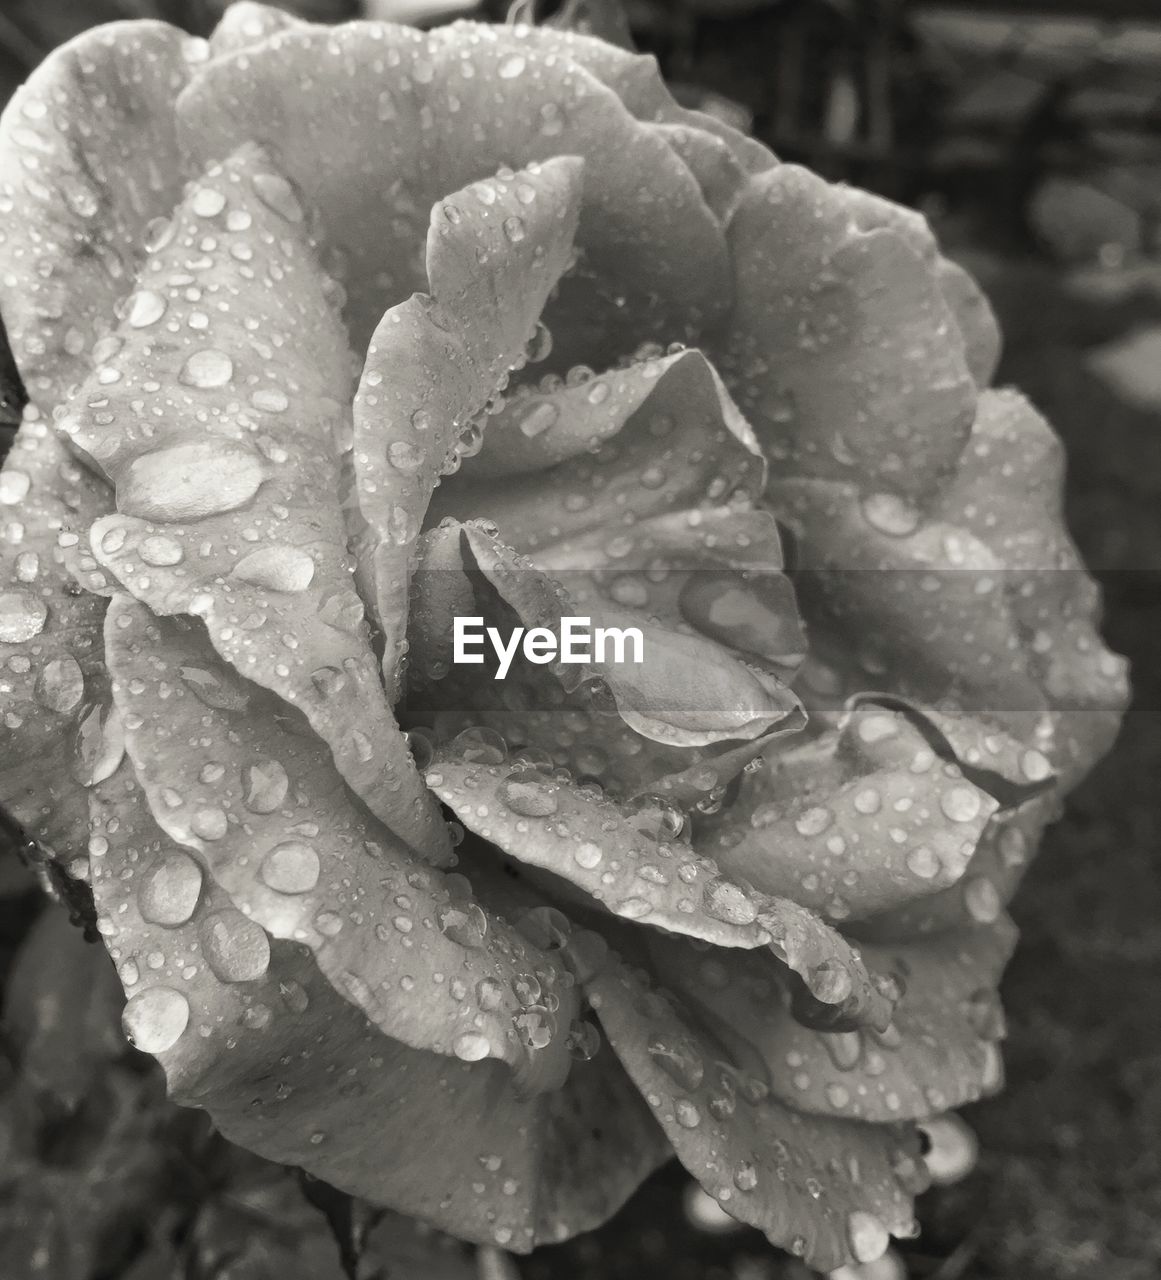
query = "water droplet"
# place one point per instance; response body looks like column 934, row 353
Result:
column 329, row 681
column 923, row 862
column 209, row 823
column 277, row 568
column 831, row 982
column 235, row 947
column 265, row 785
column 207, row 202
column 22, row 616
column 512, row 66
column 745, row 1176
column 982, row 900
column 291, row 867
column 538, row 419
column 277, row 194
column 588, row 855
column 680, row 1061
column 160, row 551
column 146, row 309
column 471, row 1046
column 60, row 685
column 479, row 745
column 584, row 1041
column 953, row 1149
column 527, row 795
column 405, row 456
column 890, row 514
column 98, row 746
column 514, row 229
column 463, row 922
column 729, row 903
column 189, row 482
column 867, row 1236
column 155, row 1019
column 960, row 804
column 14, row 486
column 169, row 889
column 270, row 400
column 687, row 1115
column 207, row 369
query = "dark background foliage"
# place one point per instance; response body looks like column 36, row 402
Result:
column 1029, row 131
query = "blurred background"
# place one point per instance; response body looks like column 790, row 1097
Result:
column 1029, row 132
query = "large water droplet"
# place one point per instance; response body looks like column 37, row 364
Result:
column 146, row 309
column 867, row 1236
column 528, row 795
column 471, row 1046
column 155, row 1019
column 277, row 568
column 266, row 784
column 60, row 686
column 291, row 867
column 235, row 947
column 170, row 889
column 22, row 616
column 729, row 903
column 190, row 481
column 207, row 369
column 276, row 193
column 890, row 514
column 14, row 486
column 679, row 1060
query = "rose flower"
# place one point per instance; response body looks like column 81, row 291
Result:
column 332, row 336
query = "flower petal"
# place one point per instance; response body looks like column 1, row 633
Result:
column 651, row 438
column 986, row 887
column 636, row 873
column 644, row 220
column 829, row 1190
column 215, row 414
column 858, row 819
column 435, row 361
column 53, row 689
column 89, row 157
column 842, row 351
column 939, row 1051
column 236, row 776
column 288, row 1069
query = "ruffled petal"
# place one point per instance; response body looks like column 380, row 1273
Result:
column 643, row 223
column 940, row 1050
column 863, row 817
column 986, row 887
column 232, row 774
column 620, row 447
column 494, row 252
column 670, row 707
column 55, row 736
column 614, row 858
column 842, row 351
column 88, row 158
column 447, row 1141
column 218, row 414
column 831, row 1191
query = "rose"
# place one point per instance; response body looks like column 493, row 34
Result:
column 789, row 961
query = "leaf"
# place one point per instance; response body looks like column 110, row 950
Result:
column 218, row 415
column 829, row 1190
column 855, row 820
column 435, row 360
column 597, row 846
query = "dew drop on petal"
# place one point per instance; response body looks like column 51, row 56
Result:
column 960, row 804
column 207, row 369
column 588, row 855
column 291, row 867
column 14, row 486
column 265, row 785
column 471, row 1046
column 189, row 481
column 277, row 194
column 146, row 309
column 155, row 1019
column 22, row 616
column 867, row 1236
column 169, row 889
column 60, row 686
column 277, row 568
column 160, row 551
column 235, row 947
column 890, row 514
column 527, row 796
column 270, row 400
